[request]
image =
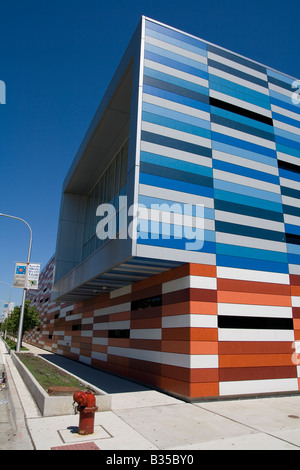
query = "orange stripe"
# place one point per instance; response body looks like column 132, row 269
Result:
column 256, row 360
column 207, row 308
column 204, row 390
column 253, row 299
column 203, row 270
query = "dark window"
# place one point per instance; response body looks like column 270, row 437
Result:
column 118, row 333
column 149, row 302
column 76, row 327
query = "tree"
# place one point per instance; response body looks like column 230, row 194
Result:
column 31, row 319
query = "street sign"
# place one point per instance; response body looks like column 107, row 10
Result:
column 27, row 275
column 33, row 274
column 20, row 275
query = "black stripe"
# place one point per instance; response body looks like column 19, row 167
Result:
column 257, row 323
column 292, row 238
column 176, row 144
column 288, row 166
column 248, row 210
column 243, row 112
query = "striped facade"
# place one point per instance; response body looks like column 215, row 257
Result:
column 222, row 131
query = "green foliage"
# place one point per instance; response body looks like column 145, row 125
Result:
column 31, row 319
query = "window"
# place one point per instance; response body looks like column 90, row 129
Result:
column 149, row 302
column 110, row 186
column 119, row 333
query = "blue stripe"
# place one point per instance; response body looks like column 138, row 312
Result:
column 244, row 153
column 287, row 142
column 286, row 120
column 176, row 115
column 290, row 175
column 239, row 91
column 179, row 126
column 168, row 95
column 176, row 61
column 175, row 81
column 175, row 185
column 181, row 165
column 257, row 265
column 244, row 171
column 243, row 144
column 242, row 119
column 177, row 207
column 285, row 105
column 246, row 190
column 176, row 244
column 176, row 38
column 294, row 229
column 251, row 253
column 247, row 200
column 288, row 150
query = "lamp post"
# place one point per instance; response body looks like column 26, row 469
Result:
column 20, row 331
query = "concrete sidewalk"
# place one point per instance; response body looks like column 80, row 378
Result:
column 145, row 419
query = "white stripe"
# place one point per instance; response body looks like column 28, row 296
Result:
column 249, row 275
column 237, row 66
column 119, row 292
column 285, row 112
column 236, row 334
column 184, row 256
column 286, row 127
column 151, row 333
column 197, row 282
column 238, row 80
column 98, row 355
column 175, row 49
column 250, row 242
column 245, row 181
column 101, row 341
column 181, row 108
column 177, row 154
column 175, row 134
column 176, row 73
column 245, row 162
column 291, row 201
column 245, row 387
column 125, row 307
column 240, row 103
column 290, row 183
column 242, row 135
column 291, row 219
column 246, row 310
column 281, row 91
column 249, row 221
column 192, row 321
column 171, row 195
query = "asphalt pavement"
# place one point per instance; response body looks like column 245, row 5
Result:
column 143, row 419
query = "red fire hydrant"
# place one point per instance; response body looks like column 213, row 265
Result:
column 87, row 409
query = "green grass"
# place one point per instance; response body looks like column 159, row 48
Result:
column 12, row 345
column 47, row 374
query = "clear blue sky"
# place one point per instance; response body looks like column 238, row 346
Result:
column 57, row 59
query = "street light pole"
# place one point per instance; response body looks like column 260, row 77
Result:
column 20, row 331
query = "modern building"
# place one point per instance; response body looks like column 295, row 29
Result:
column 178, row 247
